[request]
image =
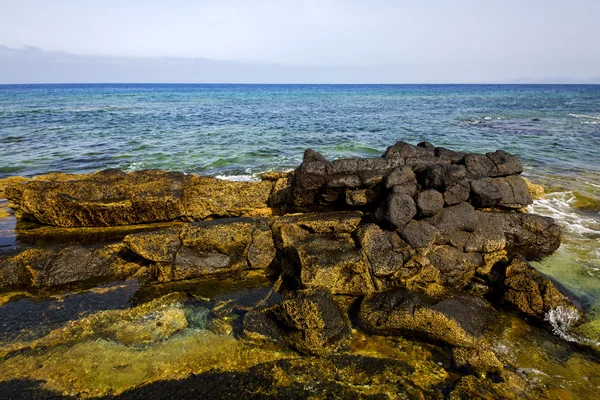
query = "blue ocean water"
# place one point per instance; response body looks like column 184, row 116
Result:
column 247, row 129
column 239, row 131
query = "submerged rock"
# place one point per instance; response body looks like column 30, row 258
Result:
column 308, row 321
column 458, row 321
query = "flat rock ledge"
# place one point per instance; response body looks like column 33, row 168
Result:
column 423, row 241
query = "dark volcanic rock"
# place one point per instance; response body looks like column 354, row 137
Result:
column 419, row 234
column 430, row 202
column 458, row 321
column 384, row 250
column 311, row 322
column 509, row 192
column 397, row 210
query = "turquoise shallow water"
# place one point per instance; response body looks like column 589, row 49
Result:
column 238, row 131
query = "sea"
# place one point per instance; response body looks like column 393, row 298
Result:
column 237, row 132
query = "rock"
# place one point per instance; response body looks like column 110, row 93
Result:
column 432, row 177
column 361, row 197
column 430, row 202
column 461, row 217
column 535, row 191
column 496, row 164
column 419, row 234
column 293, row 227
column 477, row 360
column 509, row 192
column 71, row 265
column 406, row 150
column 384, row 250
column 205, row 197
column 453, row 156
column 397, row 210
column 399, row 176
column 458, row 321
column 328, row 261
column 456, row 267
column 153, row 327
column 505, row 164
column 309, row 177
column 159, row 247
column 312, row 322
column 112, row 197
column 471, row 387
column 531, row 293
column 457, row 193
column 530, row 235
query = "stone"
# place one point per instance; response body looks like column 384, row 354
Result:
column 496, row 164
column 456, row 267
column 397, row 210
column 312, row 322
column 453, row 156
column 471, row 387
column 328, row 261
column 459, row 321
column 461, row 217
column 457, row 193
column 419, row 234
column 384, row 250
column 159, row 247
column 530, row 292
column 509, row 192
column 112, row 197
column 535, row 191
column 429, row 202
column 479, row 360
column 532, row 236
column 360, row 197
column 309, row 177
column 505, row 164
column 400, row 176
column 71, row 265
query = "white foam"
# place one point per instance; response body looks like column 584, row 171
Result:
column 585, row 116
column 239, row 178
column 559, row 206
column 561, row 319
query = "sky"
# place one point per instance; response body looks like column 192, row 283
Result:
column 336, row 41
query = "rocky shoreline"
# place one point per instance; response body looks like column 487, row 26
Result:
column 422, row 243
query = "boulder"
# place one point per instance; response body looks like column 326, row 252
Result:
column 384, row 250
column 311, row 322
column 397, row 210
column 458, row 321
column 530, row 292
column 496, row 164
column 328, row 261
column 59, row 267
column 479, row 360
column 112, row 197
column 457, row 193
column 508, row 192
column 429, row 202
column 456, row 267
column 400, row 176
column 530, row 235
column 419, row 234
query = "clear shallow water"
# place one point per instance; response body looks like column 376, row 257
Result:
column 239, row 131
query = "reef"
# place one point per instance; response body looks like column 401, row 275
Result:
column 423, row 243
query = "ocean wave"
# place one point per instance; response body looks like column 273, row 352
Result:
column 561, row 207
column 585, row 116
column 239, row 178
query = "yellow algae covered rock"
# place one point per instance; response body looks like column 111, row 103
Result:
column 11, row 180
column 531, row 293
column 476, row 359
column 153, row 327
column 112, row 197
column 205, row 197
column 536, row 191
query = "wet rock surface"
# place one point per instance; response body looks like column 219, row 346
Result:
column 422, row 243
